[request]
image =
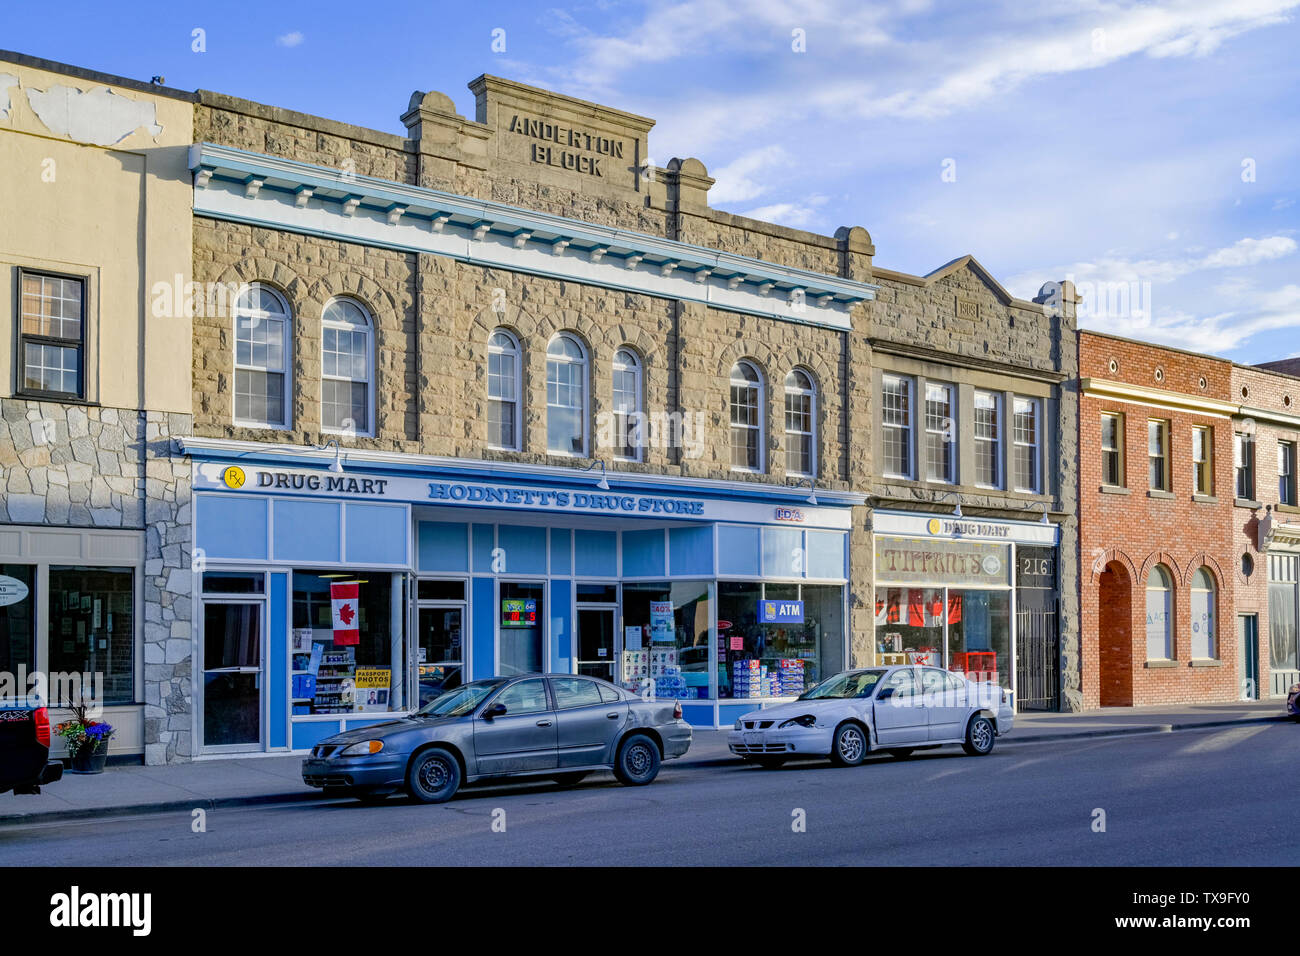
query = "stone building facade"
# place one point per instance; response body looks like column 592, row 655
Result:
column 95, row 509
column 503, row 265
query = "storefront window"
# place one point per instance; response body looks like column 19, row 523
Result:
column 666, row 638
column 17, row 618
column 909, row 626
column 979, row 635
column 782, row 653
column 91, row 628
column 350, row 663
column 910, row 630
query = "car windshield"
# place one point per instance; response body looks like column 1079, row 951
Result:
column 462, row 700
column 848, row 684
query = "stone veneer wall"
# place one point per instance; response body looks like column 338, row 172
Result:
column 84, row 466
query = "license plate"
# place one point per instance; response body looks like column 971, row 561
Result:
column 753, row 739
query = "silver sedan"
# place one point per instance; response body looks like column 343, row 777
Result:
column 557, row 726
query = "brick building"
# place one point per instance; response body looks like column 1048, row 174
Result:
column 1156, row 524
column 1266, row 527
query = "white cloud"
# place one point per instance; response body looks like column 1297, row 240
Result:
column 797, row 215
column 290, row 39
column 740, row 181
column 1117, row 269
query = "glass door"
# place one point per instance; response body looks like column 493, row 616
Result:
column 597, row 642
column 232, row 675
column 521, row 613
column 440, row 649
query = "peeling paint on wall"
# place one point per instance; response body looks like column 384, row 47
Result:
column 98, row 116
column 6, row 80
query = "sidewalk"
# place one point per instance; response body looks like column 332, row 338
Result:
column 246, row 781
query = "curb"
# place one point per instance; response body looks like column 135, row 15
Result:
column 227, row 803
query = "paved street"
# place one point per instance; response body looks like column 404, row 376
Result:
column 1206, row 797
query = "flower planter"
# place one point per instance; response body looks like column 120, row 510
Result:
column 87, row 761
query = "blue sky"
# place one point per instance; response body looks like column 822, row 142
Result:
column 1151, row 151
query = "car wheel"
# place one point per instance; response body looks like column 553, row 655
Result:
column 901, row 752
column 979, row 736
column 433, row 776
column 771, row 763
column 637, row 762
column 569, row 779
column 849, row 747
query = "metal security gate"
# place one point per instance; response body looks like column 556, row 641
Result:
column 1038, row 657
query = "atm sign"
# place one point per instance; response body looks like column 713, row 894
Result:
column 780, row 612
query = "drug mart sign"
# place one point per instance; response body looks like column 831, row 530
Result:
column 245, row 479
column 951, row 528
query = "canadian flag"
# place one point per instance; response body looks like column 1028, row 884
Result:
column 343, row 598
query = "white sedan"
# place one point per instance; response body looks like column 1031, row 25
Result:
column 894, row 709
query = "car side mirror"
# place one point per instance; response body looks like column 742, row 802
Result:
column 496, row 710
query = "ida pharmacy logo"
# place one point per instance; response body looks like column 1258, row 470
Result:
column 234, row 477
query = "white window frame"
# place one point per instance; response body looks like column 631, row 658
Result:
column 1243, row 462
column 516, row 355
column 583, row 365
column 1286, row 471
column 285, row 318
column 1166, row 587
column 797, row 390
column 905, row 385
column 757, row 386
column 369, row 380
column 1163, row 424
column 627, row 361
column 999, row 466
column 1210, row 637
column 1203, row 467
column 1117, row 450
column 1036, row 446
column 947, row 432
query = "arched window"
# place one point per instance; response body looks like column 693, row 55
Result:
column 347, row 358
column 746, row 418
column 628, row 420
column 566, row 397
column 1203, row 615
column 503, row 390
column 261, row 358
column 1160, row 614
column 800, row 424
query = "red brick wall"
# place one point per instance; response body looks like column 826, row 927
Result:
column 1137, row 531
column 1269, row 392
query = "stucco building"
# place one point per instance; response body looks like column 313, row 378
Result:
column 94, row 509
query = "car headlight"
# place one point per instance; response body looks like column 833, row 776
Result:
column 363, row 748
column 807, row 720
column 736, row 726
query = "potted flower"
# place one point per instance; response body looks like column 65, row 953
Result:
column 87, row 740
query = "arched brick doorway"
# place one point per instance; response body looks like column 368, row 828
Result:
column 1115, row 636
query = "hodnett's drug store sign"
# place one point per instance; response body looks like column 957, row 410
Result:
column 553, row 498
column 653, row 583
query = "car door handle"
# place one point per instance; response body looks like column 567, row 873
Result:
column 613, row 716
column 543, row 723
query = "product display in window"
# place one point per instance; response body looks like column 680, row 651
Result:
column 783, row 658
column 347, row 618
